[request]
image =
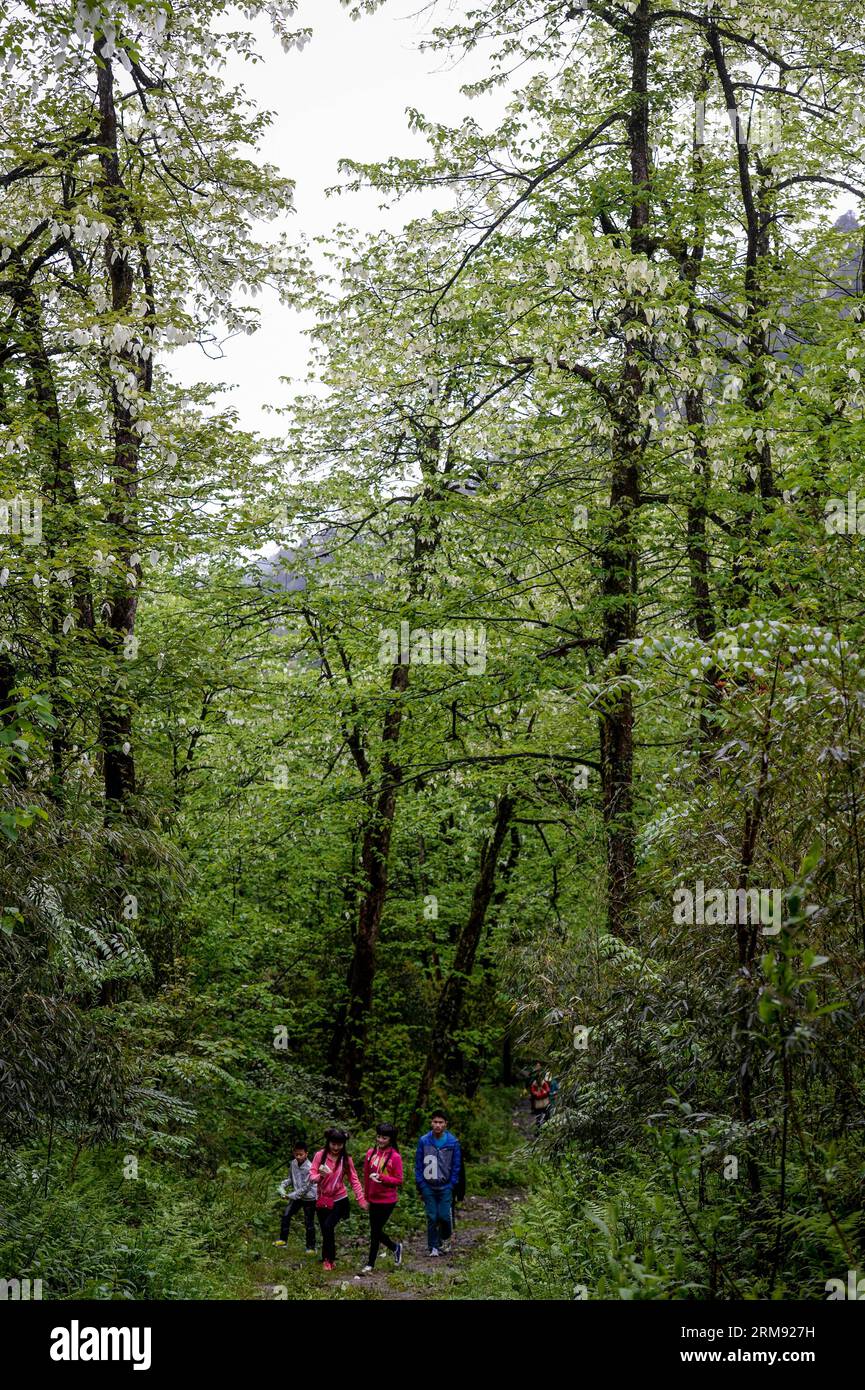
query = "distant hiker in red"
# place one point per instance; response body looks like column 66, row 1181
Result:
column 539, row 1090
column 382, row 1176
column 331, row 1167
column 534, row 1073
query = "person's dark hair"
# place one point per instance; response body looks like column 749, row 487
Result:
column 339, row 1136
column 439, row 1115
column 300, row 1144
column 389, row 1133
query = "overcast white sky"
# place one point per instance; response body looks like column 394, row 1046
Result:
column 345, row 95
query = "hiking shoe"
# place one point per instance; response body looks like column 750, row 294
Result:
column 279, row 1242
column 310, row 1251
column 367, row 1269
column 328, row 1264
column 397, row 1254
column 435, row 1253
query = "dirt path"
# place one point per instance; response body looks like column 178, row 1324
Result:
column 420, row 1276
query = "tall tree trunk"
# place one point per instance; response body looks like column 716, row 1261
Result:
column 349, row 891
column 484, row 997
column 375, row 851
column 701, row 606
column 62, row 530
column 121, row 603
column 619, row 551
column 375, row 856
column 452, row 997
column 757, row 485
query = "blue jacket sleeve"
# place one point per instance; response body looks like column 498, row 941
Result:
column 418, row 1162
column 457, row 1163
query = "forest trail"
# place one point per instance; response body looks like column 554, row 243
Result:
column 480, row 1218
column 419, row 1277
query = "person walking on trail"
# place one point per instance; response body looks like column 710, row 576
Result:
column 331, row 1170
column 382, row 1177
column 534, row 1074
column 539, row 1090
column 301, row 1194
column 437, row 1164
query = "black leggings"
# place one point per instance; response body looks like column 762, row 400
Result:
column 379, row 1213
column 328, row 1219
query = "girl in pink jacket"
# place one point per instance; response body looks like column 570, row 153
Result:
column 330, row 1169
column 382, row 1176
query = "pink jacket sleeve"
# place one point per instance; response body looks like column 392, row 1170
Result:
column 392, row 1175
column 316, row 1165
column 356, row 1183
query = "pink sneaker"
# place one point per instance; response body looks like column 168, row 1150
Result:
column 328, row 1264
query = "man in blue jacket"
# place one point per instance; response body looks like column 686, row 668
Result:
column 437, row 1164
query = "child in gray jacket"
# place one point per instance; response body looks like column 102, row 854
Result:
column 301, row 1195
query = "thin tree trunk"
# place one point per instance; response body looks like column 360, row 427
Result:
column 375, row 855
column 620, row 549
column 452, row 997
column 757, row 485
column 121, row 603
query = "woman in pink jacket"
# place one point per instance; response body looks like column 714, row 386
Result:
column 330, row 1169
column 382, row 1175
